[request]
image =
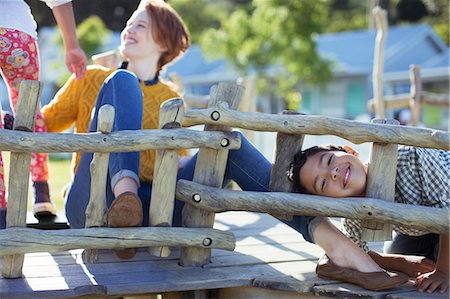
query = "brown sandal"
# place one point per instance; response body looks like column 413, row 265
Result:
column 125, row 211
column 374, row 281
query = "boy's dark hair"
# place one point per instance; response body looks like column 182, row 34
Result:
column 300, row 159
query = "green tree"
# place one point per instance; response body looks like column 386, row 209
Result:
column 275, row 39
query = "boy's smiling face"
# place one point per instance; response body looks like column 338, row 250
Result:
column 334, row 174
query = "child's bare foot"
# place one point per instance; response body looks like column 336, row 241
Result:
column 411, row 265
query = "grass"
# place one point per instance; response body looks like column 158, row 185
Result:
column 59, row 177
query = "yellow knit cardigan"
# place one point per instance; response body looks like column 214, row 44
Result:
column 73, row 104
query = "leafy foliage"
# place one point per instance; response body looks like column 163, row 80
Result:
column 92, row 34
column 275, row 39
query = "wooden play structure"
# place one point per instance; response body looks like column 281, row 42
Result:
column 185, row 266
column 269, row 259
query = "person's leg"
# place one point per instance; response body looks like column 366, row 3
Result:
column 121, row 90
column 251, row 171
column 43, row 205
column 426, row 245
column 23, row 64
column 13, row 60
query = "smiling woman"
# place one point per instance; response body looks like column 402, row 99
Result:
column 153, row 37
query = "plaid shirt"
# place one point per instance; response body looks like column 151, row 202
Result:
column 423, row 178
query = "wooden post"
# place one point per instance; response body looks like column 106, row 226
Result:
column 248, row 103
column 416, row 92
column 209, row 170
column 380, row 183
column 165, row 174
column 287, row 145
column 96, row 209
column 28, row 103
column 377, row 76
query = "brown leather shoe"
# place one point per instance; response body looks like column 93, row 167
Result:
column 374, row 281
column 125, row 211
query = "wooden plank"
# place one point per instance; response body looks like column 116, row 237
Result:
column 346, row 290
column 209, row 170
column 416, row 91
column 381, row 23
column 417, row 295
column 351, row 130
column 165, row 174
column 118, row 141
column 286, row 146
column 137, row 282
column 382, row 170
column 23, row 240
column 96, row 208
column 217, row 200
column 259, row 293
column 28, row 103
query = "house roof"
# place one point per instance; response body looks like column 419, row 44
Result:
column 194, row 63
column 351, row 51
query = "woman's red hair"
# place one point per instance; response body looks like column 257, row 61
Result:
column 169, row 30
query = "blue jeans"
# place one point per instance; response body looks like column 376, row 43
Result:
column 246, row 166
column 426, row 245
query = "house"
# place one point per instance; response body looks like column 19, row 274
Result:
column 352, row 53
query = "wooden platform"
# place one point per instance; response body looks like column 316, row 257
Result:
column 271, row 260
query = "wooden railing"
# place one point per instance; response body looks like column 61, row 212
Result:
column 197, row 242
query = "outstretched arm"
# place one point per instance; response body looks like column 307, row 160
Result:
column 438, row 279
column 75, row 58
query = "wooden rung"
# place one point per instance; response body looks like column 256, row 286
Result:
column 381, row 176
column 26, row 240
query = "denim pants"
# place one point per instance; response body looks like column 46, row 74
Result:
column 246, row 166
column 425, row 245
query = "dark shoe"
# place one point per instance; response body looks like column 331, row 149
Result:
column 2, row 218
column 374, row 281
column 8, row 121
column 43, row 206
column 125, row 211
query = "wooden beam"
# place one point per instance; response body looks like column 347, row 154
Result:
column 286, row 146
column 398, row 101
column 96, row 208
column 416, row 91
column 435, row 99
column 381, row 176
column 209, row 170
column 119, row 141
column 220, row 200
column 351, row 130
column 381, row 24
column 19, row 240
column 165, row 174
column 28, row 103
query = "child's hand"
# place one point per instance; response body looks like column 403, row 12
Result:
column 76, row 62
column 431, row 281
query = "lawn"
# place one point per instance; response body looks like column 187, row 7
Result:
column 59, row 176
